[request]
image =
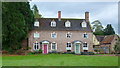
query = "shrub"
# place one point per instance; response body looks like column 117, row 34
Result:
column 87, row 53
column 40, row 50
column 28, row 48
column 68, row 53
column 54, row 52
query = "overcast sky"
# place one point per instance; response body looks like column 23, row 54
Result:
column 105, row 12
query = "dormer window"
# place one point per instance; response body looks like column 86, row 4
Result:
column 67, row 24
column 53, row 23
column 84, row 24
column 36, row 23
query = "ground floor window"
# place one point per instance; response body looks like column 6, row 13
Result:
column 54, row 46
column 85, row 45
column 68, row 47
column 36, row 46
column 68, row 44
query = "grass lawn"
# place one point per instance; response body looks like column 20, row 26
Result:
column 59, row 60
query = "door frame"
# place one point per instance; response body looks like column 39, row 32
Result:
column 44, row 43
column 79, row 46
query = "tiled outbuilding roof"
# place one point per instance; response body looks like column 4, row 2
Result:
column 44, row 24
column 100, row 38
column 105, row 39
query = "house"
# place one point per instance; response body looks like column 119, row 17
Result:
column 61, row 35
column 107, row 43
column 96, row 44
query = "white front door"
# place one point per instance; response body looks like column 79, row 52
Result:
column 77, row 48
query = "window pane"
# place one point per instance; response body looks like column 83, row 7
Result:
column 36, row 35
column 68, row 35
column 54, row 35
column 85, row 36
column 36, row 24
column 68, row 44
column 84, row 44
column 35, row 47
column 53, row 45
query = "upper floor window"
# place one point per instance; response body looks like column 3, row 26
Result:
column 67, row 24
column 36, row 46
column 84, row 24
column 54, row 46
column 68, row 35
column 53, row 35
column 36, row 23
column 53, row 23
column 36, row 35
column 85, row 44
column 85, row 35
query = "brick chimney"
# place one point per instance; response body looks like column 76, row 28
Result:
column 87, row 16
column 59, row 15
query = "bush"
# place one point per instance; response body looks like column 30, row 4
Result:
column 28, row 48
column 87, row 53
column 55, row 52
column 68, row 53
column 35, row 52
column 40, row 50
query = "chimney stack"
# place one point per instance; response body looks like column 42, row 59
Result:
column 59, row 15
column 87, row 16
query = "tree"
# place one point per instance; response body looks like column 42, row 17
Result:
column 17, row 20
column 97, row 27
column 117, row 46
column 36, row 12
column 109, row 30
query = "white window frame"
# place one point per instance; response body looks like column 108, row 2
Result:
column 36, row 23
column 55, row 44
column 52, row 34
column 70, row 43
column 53, row 23
column 85, row 48
column 84, row 34
column 84, row 24
column 34, row 45
column 67, row 23
column 68, row 46
column 36, row 36
column 70, row 35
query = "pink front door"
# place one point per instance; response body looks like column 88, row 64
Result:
column 45, row 49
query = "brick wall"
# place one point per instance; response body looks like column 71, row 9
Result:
column 61, row 39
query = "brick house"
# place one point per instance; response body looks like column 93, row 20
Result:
column 61, row 35
column 107, row 43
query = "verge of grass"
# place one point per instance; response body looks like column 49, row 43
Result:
column 60, row 60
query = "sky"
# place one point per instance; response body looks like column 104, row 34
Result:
column 105, row 12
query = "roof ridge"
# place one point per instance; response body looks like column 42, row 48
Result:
column 63, row 18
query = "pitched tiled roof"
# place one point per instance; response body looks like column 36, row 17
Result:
column 107, row 39
column 60, row 25
column 100, row 38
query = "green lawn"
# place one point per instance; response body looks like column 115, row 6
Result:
column 59, row 60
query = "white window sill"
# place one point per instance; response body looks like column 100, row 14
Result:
column 85, row 48
column 68, row 48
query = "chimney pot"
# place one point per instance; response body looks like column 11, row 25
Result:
column 87, row 16
column 59, row 15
